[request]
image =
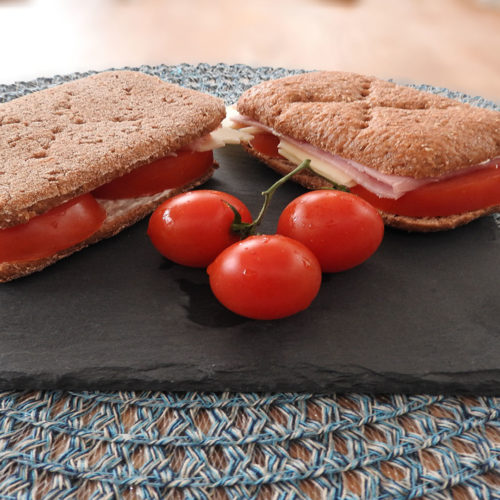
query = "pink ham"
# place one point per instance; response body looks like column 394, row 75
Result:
column 383, row 185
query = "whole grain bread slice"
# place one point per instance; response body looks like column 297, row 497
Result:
column 391, row 128
column 67, row 140
column 421, row 224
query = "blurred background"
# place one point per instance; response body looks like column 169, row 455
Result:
column 449, row 43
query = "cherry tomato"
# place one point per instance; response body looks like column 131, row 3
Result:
column 59, row 228
column 193, row 228
column 266, row 144
column 463, row 193
column 265, row 277
column 166, row 173
column 341, row 229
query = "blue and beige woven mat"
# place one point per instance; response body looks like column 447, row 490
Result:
column 241, row 446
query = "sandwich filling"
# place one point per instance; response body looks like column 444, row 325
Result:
column 472, row 188
column 78, row 219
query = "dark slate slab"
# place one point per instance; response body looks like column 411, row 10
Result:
column 422, row 315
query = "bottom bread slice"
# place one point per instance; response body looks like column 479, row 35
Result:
column 421, row 224
column 120, row 214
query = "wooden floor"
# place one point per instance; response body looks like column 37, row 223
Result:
column 451, row 43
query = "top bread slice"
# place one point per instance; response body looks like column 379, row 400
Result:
column 393, row 129
column 67, row 140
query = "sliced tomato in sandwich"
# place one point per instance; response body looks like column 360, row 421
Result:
column 60, row 228
column 462, row 193
column 76, row 220
column 167, row 173
column 266, row 144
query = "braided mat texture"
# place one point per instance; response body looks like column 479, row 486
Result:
column 56, row 445
column 239, row 446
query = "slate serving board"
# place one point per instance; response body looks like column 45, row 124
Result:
column 422, row 315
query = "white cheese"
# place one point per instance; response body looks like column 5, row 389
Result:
column 234, row 132
column 233, row 136
column 296, row 155
column 220, row 137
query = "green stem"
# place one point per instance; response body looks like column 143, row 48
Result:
column 247, row 229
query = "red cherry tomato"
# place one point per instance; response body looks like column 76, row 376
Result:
column 463, row 193
column 193, row 228
column 58, row 229
column 265, row 277
column 266, row 144
column 166, row 173
column 341, row 229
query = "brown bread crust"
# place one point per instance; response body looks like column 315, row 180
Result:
column 393, row 129
column 421, row 224
column 432, row 224
column 67, row 140
column 121, row 214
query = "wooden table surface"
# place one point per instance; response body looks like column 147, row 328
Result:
column 450, row 43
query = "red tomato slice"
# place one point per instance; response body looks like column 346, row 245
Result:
column 59, row 228
column 459, row 194
column 166, row 173
column 266, row 144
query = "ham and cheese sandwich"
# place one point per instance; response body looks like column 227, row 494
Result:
column 81, row 161
column 426, row 162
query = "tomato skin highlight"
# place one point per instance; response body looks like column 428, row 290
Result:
column 265, row 277
column 266, row 144
column 60, row 228
column 165, row 173
column 341, row 229
column 193, row 228
column 456, row 195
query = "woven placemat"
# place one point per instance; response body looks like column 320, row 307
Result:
column 57, row 444
column 240, row 446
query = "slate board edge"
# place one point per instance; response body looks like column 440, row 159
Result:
column 348, row 381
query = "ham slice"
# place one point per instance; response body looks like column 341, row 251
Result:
column 383, row 185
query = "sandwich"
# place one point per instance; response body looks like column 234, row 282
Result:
column 81, row 161
column 425, row 161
